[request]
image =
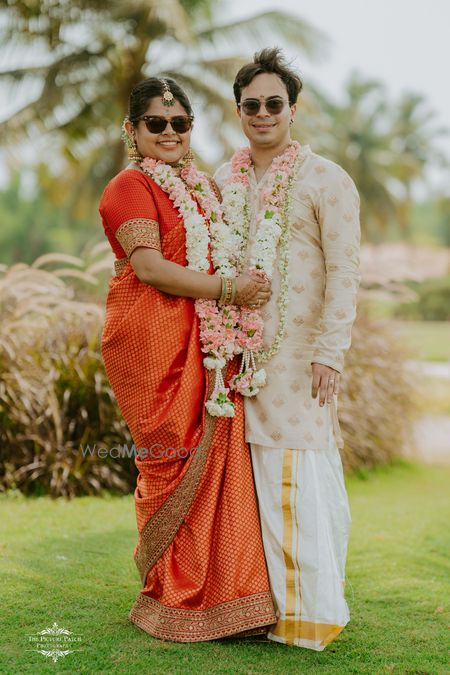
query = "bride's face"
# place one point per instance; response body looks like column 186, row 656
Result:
column 168, row 145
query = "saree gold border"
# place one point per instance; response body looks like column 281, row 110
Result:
column 323, row 633
column 161, row 529
column 120, row 265
column 241, row 617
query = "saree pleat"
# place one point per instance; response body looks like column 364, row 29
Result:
column 199, row 553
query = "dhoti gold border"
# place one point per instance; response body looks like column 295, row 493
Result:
column 292, row 630
column 241, row 617
column 162, row 527
column 289, row 490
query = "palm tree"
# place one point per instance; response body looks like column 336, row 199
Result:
column 357, row 139
column 87, row 55
column 384, row 147
column 413, row 137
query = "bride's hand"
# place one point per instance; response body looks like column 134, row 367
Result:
column 252, row 290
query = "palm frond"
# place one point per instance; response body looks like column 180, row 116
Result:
column 264, row 28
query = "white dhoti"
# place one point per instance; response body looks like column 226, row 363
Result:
column 305, row 519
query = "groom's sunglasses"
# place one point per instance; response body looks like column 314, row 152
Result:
column 156, row 124
column 251, row 106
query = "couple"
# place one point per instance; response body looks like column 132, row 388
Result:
column 226, row 326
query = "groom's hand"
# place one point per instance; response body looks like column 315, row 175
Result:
column 252, row 290
column 325, row 382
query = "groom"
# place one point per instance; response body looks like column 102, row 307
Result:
column 292, row 424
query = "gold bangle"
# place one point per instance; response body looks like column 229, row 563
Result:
column 229, row 291
column 223, row 291
column 234, row 291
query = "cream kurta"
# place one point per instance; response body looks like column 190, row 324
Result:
column 323, row 284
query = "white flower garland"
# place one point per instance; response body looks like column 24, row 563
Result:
column 227, row 331
column 273, row 224
column 218, row 326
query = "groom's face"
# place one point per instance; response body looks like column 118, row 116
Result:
column 266, row 129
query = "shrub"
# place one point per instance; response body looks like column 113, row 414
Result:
column 377, row 404
column 432, row 301
column 55, row 398
column 54, row 395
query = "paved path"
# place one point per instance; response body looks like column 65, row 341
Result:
column 432, row 437
column 430, row 368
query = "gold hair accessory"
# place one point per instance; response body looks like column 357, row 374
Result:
column 133, row 153
column 167, row 97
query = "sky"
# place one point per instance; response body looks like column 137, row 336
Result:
column 403, row 43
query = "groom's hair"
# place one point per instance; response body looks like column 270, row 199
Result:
column 269, row 60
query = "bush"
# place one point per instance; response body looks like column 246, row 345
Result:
column 432, row 301
column 54, row 395
column 377, row 404
column 55, row 398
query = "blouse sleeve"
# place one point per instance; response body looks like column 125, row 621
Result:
column 128, row 210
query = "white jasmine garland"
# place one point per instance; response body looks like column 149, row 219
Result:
column 217, row 325
column 273, row 225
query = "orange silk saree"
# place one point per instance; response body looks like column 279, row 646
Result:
column 199, row 552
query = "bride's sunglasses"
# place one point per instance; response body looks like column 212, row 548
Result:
column 156, row 124
column 251, row 106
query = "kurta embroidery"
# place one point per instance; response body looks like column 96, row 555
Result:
column 323, row 285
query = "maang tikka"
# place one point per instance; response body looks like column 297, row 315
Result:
column 167, row 96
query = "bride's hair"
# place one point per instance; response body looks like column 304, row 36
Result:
column 154, row 87
column 269, row 60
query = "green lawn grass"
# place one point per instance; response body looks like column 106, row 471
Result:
column 427, row 340
column 71, row 563
column 423, row 340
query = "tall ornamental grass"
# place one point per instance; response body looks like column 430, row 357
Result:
column 377, row 404
column 55, row 398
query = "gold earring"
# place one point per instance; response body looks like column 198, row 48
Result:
column 187, row 159
column 130, row 141
column 133, row 153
